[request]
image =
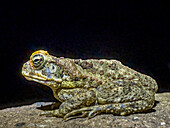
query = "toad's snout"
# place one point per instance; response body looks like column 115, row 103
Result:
column 26, row 68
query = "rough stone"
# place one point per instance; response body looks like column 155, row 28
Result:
column 28, row 116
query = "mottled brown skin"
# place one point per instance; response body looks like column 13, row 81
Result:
column 90, row 87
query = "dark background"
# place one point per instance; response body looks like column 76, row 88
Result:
column 136, row 33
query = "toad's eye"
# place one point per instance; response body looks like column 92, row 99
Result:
column 37, row 60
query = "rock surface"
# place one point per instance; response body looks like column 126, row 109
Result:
column 28, row 116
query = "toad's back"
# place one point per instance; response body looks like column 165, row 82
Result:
column 113, row 71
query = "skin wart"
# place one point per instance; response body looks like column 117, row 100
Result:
column 86, row 88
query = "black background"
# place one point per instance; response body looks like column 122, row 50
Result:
column 136, row 33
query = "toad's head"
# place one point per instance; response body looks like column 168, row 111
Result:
column 43, row 68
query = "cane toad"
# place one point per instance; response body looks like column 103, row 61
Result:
column 90, row 87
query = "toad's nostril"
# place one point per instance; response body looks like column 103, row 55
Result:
column 24, row 67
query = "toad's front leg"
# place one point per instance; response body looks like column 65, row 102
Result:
column 74, row 99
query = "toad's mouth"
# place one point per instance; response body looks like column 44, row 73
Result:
column 43, row 80
column 37, row 79
column 33, row 77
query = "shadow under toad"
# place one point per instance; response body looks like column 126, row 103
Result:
column 50, row 106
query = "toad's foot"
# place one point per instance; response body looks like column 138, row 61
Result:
column 52, row 113
column 56, row 113
column 115, row 108
column 85, row 112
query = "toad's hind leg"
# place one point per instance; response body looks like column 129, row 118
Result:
column 114, row 108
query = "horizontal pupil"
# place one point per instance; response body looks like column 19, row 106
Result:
column 37, row 60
